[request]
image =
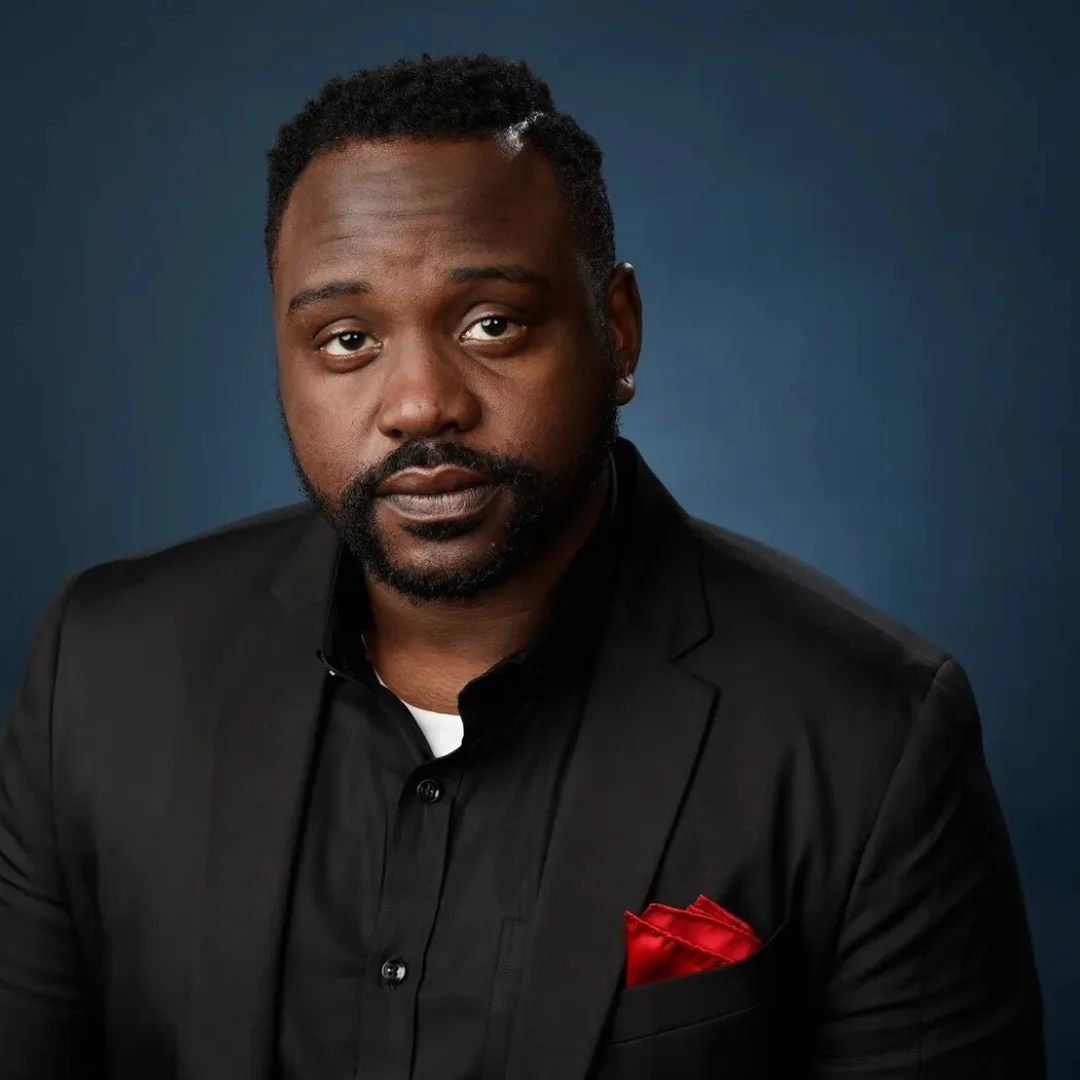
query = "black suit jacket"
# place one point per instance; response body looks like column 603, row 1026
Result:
column 753, row 733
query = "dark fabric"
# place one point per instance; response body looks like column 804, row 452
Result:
column 430, row 865
column 752, row 733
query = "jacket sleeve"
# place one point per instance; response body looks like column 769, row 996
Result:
column 45, row 1004
column 934, row 975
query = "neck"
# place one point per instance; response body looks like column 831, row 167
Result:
column 427, row 653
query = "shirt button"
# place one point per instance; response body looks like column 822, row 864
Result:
column 428, row 791
column 393, row 971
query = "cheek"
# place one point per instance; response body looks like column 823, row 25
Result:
column 327, row 432
column 556, row 419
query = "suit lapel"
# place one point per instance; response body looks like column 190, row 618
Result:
column 264, row 726
column 640, row 736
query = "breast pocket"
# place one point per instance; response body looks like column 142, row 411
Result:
column 728, row 1019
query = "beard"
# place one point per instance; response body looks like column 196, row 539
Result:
column 542, row 506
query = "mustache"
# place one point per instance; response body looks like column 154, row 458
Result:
column 430, row 455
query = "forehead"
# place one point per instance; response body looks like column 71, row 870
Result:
column 411, row 207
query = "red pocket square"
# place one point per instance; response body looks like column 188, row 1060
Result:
column 664, row 942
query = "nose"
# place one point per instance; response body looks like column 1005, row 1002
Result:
column 426, row 394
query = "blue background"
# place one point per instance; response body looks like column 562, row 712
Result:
column 856, row 229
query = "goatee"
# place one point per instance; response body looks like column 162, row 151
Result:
column 542, row 506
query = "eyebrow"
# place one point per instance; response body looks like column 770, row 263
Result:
column 516, row 275
column 310, row 297
column 462, row 275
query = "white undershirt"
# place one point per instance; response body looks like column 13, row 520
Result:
column 443, row 731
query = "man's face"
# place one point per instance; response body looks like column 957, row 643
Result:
column 448, row 389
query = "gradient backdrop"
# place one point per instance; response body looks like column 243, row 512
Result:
column 857, row 236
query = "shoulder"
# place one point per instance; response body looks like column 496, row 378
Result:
column 800, row 636
column 223, row 565
column 796, row 592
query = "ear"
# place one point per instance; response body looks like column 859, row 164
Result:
column 623, row 313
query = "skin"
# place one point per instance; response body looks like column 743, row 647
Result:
column 409, row 358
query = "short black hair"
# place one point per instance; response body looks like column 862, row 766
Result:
column 457, row 97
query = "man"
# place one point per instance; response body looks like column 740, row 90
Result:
column 492, row 762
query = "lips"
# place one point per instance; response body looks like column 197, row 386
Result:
column 444, row 493
column 435, row 481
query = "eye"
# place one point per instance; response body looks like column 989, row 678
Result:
column 493, row 328
column 347, row 343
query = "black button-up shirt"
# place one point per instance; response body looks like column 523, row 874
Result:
column 416, row 876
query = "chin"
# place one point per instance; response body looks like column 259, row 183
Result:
column 448, row 583
column 462, row 569
column 468, row 559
